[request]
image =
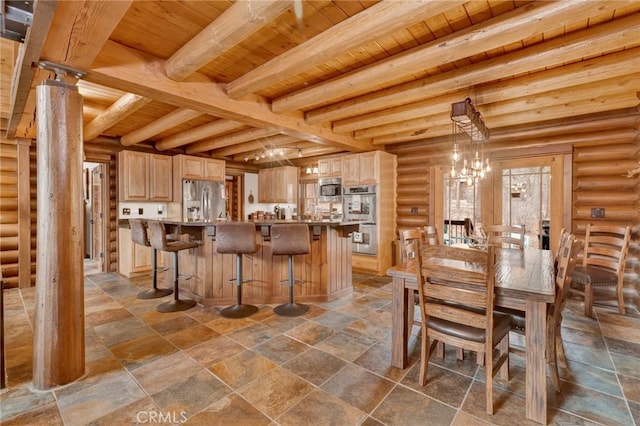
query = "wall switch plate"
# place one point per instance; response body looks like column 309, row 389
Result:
column 140, row 210
column 126, row 211
column 597, row 212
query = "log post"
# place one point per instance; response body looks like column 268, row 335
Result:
column 58, row 347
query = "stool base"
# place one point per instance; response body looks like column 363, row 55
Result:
column 239, row 311
column 176, row 305
column 155, row 293
column 291, row 309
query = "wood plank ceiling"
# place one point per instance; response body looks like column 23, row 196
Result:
column 229, row 79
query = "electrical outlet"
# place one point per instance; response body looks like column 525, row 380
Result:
column 140, row 210
column 126, row 211
column 414, row 210
column 597, row 212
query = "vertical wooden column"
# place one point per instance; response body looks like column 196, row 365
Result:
column 58, row 347
column 24, row 213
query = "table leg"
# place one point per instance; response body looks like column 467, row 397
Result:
column 536, row 368
column 400, row 329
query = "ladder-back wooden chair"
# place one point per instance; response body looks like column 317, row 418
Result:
column 605, row 255
column 460, row 312
column 505, row 236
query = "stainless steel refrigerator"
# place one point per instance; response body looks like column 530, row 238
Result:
column 203, row 201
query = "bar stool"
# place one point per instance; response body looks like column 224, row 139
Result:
column 158, row 240
column 139, row 236
column 290, row 239
column 237, row 238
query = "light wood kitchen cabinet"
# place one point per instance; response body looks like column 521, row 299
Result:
column 278, row 185
column 134, row 259
column 198, row 168
column 160, row 182
column 330, row 167
column 144, row 177
column 361, row 169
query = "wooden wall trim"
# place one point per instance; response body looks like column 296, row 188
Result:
column 24, row 213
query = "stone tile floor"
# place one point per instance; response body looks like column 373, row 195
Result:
column 328, row 367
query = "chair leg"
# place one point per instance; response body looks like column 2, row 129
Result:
column 620, row 291
column 588, row 300
column 239, row 310
column 424, row 357
column 552, row 357
column 176, row 304
column 562, row 360
column 154, row 292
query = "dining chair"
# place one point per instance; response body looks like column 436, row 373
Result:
column 555, row 349
column 505, row 235
column 604, row 258
column 429, row 235
column 410, row 239
column 457, row 301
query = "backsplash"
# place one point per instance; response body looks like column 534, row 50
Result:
column 142, row 210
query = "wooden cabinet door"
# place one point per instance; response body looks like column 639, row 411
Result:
column 214, row 170
column 289, row 184
column 336, row 167
column 324, row 168
column 160, row 178
column 351, row 170
column 192, row 167
column 368, row 168
column 265, row 186
column 133, row 170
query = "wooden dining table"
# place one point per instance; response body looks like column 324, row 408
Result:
column 524, row 281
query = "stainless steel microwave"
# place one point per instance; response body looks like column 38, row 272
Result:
column 329, row 189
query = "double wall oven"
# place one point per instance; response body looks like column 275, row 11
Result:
column 359, row 205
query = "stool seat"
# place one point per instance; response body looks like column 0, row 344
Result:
column 289, row 240
column 139, row 236
column 158, row 240
column 237, row 238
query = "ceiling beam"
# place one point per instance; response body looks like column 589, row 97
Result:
column 174, row 118
column 606, row 37
column 601, row 68
column 217, row 127
column 237, row 23
column 230, row 139
column 576, row 107
column 118, row 111
column 617, row 85
column 381, row 19
column 511, row 27
column 43, row 14
column 130, row 70
column 254, row 145
column 82, row 27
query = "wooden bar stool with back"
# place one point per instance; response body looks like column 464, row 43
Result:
column 139, row 236
column 158, row 240
column 289, row 240
column 237, row 238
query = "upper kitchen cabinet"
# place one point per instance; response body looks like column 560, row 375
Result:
column 330, row 167
column 144, row 177
column 361, row 169
column 198, row 168
column 278, row 185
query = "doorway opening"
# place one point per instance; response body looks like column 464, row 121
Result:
column 95, row 219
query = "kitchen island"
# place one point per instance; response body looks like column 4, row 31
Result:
column 325, row 271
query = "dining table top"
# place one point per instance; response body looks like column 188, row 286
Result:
column 522, row 274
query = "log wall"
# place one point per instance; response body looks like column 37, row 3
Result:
column 9, row 213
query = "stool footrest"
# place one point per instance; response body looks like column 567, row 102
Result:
column 295, row 281
column 235, row 281
column 185, row 277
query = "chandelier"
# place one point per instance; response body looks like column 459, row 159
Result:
column 467, row 161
